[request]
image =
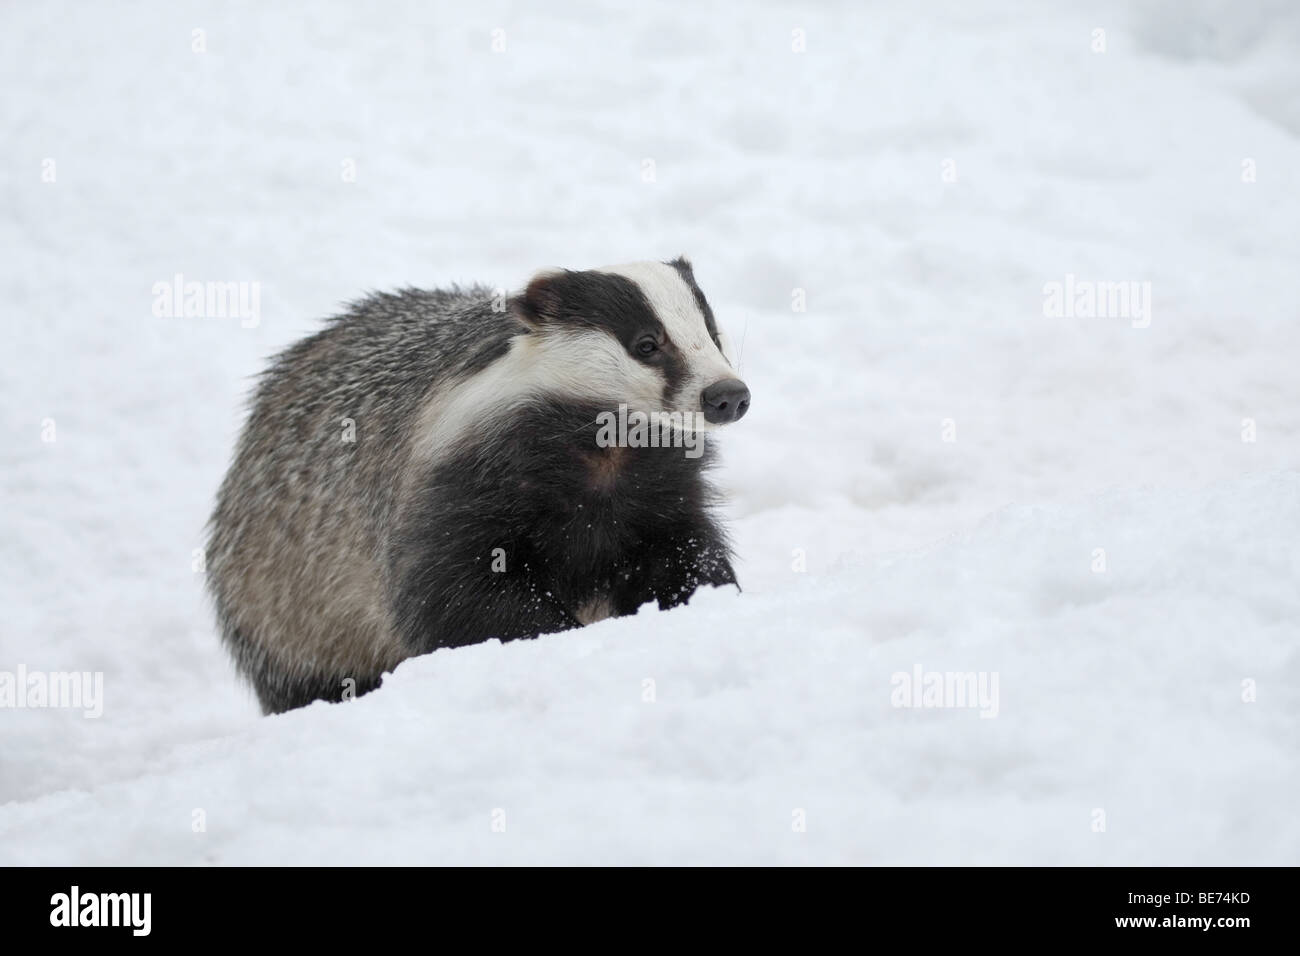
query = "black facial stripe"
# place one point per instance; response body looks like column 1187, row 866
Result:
column 688, row 276
column 673, row 365
column 599, row 300
column 613, row 304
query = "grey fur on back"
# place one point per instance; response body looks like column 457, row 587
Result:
column 299, row 530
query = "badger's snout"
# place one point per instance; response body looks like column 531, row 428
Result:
column 725, row 401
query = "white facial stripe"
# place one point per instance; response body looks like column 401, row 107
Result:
column 671, row 299
column 673, row 302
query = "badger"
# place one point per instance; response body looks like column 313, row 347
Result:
column 428, row 471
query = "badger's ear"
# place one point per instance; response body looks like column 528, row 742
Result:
column 682, row 264
column 539, row 303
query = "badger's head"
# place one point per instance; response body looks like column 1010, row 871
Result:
column 640, row 334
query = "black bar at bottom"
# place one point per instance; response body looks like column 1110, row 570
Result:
column 343, row 907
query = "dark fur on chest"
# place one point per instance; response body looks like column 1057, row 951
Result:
column 513, row 535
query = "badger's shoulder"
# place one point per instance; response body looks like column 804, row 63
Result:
column 385, row 343
column 409, row 328
column 411, row 307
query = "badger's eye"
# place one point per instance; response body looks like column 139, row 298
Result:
column 647, row 346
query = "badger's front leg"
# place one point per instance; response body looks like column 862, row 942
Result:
column 670, row 569
column 468, row 606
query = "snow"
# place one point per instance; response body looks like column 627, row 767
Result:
column 1100, row 535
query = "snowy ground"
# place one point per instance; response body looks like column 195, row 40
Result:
column 1070, row 506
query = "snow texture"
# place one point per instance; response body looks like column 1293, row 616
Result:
column 1102, row 513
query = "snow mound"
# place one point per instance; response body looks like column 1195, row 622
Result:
column 1143, row 649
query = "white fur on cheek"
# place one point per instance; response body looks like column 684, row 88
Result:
column 570, row 363
column 591, row 364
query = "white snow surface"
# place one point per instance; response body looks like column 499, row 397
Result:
column 1148, row 708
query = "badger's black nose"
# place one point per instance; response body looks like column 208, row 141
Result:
column 725, row 401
